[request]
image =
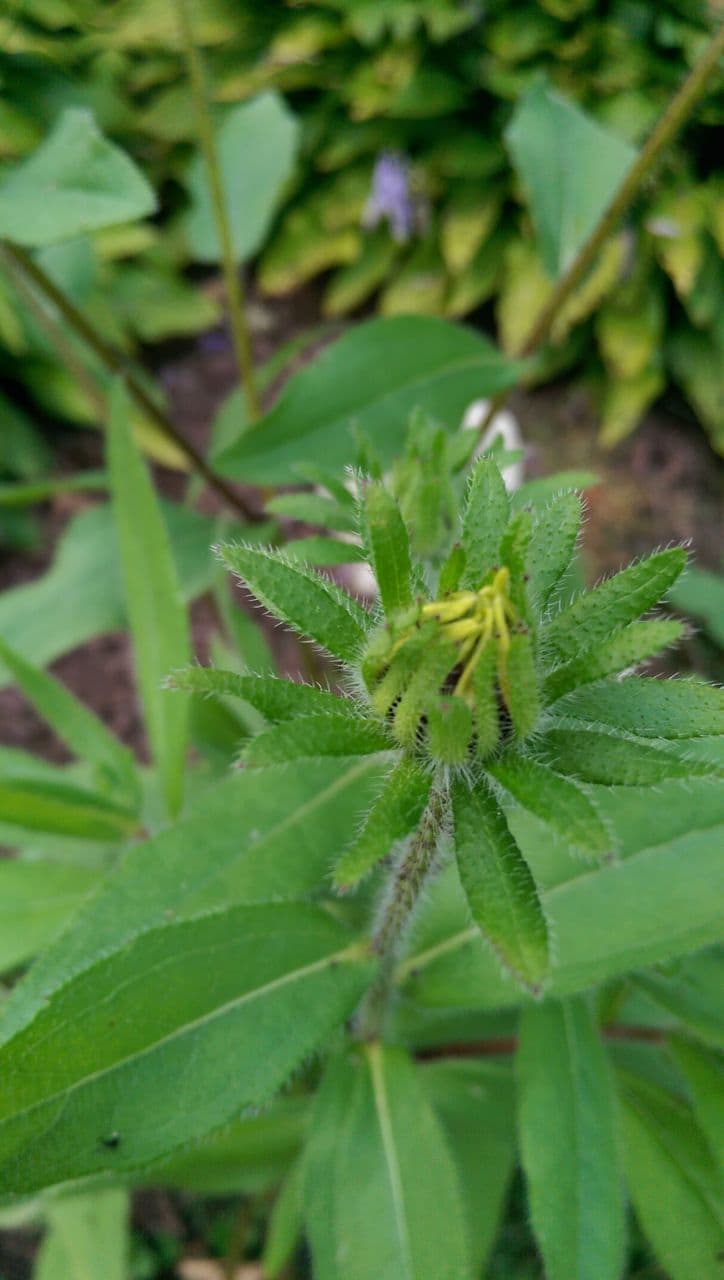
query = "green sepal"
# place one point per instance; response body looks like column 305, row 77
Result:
column 484, row 521
column 310, row 604
column 499, row 886
column 557, row 801
column 393, row 816
column 485, row 694
column 634, row 644
column 389, row 549
column 452, row 571
column 553, row 544
column 323, row 735
column 449, row 729
column 615, row 761
column 519, row 683
column 515, row 554
column 434, row 664
column 596, row 615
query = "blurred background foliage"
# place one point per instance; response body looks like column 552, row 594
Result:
column 434, row 82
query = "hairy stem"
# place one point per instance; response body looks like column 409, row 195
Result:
column 674, row 117
column 404, row 891
column 232, row 277
column 22, row 266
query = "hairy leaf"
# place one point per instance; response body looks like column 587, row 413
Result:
column 309, row 603
column 500, row 889
column 389, row 549
column 634, row 644
column 394, row 815
column 569, row 1143
column 651, row 708
column 484, row 521
column 316, row 736
column 553, row 543
column 558, row 801
column 277, row 700
column 601, row 756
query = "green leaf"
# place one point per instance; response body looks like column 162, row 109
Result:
column 389, row 549
column 393, row 816
column 88, row 1235
column 518, row 680
column 673, row 1182
column 131, row 1026
column 634, row 644
column 703, row 1071
column 309, row 603
column 369, row 379
column 277, row 700
column 484, row 521
column 498, row 884
column 596, row 616
column 570, row 167
column 322, row 550
column 690, row 990
column 701, row 594
column 569, row 1142
column 76, row 181
column 398, row 1213
column 650, row 708
column 74, row 724
column 557, row 801
column 82, row 591
column 475, row 1103
column 553, row 544
column 36, row 899
column 250, row 838
column 316, row 736
column 285, row 1223
column 329, row 1113
column 63, row 809
column 313, row 508
column 449, row 728
column 611, row 760
column 257, row 145
column 158, row 619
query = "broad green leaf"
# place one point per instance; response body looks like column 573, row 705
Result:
column 556, row 800
column 316, row 736
column 568, row 1141
column 157, row 615
column 601, row 756
column 277, row 700
column 634, row 644
column 553, row 544
column 87, row 1235
column 393, row 816
column 650, row 708
column 74, row 724
column 475, row 1103
column 594, row 617
column 309, row 603
column 36, row 899
column 703, row 1070
column 389, row 549
column 484, row 521
column 131, row 1058
column 82, row 591
column 673, row 1182
column 329, row 1113
column 398, row 1211
column 75, row 182
column 257, row 145
column 251, row 838
column 498, row 884
column 369, row 380
column 570, row 167
column 64, row 809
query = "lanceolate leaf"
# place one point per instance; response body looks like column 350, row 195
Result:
column 553, row 544
column 499, row 886
column 36, row 899
column 131, row 1059
column 309, row 603
column 597, row 615
column 674, row 1183
column 329, row 1113
column 703, row 1070
column 159, row 624
column 398, row 1213
column 316, row 736
column 389, row 548
column 569, row 1143
column 556, row 800
column 634, row 644
column 600, row 756
column 277, row 700
column 394, row 815
column 484, row 521
column 84, row 733
column 87, row 1234
column 63, row 809
column 651, row 708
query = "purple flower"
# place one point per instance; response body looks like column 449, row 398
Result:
column 390, row 197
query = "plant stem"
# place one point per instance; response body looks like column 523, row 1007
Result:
column 232, row 276
column 669, row 124
column 19, row 262
column 503, row 1045
column 404, row 891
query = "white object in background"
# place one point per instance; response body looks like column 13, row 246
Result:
column 504, row 424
